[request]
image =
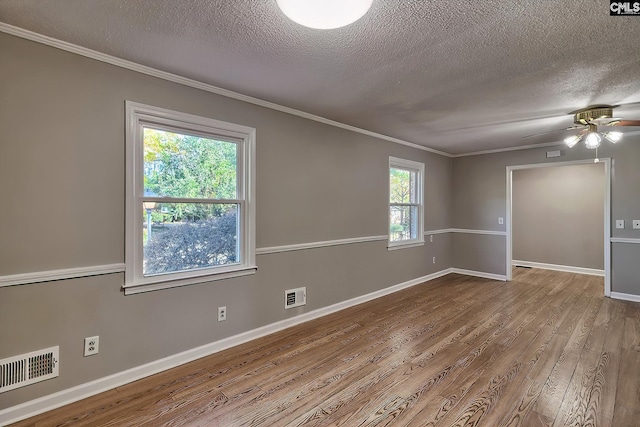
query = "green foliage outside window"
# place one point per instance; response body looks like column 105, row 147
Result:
column 186, row 166
column 189, row 235
column 402, row 190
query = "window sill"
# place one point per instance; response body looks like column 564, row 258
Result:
column 409, row 244
column 168, row 283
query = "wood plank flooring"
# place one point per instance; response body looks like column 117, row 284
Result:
column 546, row 349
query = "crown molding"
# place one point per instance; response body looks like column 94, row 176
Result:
column 143, row 69
column 524, row 147
column 502, row 150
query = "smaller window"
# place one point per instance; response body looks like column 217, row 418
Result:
column 406, row 210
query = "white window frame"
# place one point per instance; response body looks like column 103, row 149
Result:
column 137, row 117
column 410, row 165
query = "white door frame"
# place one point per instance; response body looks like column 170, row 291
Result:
column 607, row 213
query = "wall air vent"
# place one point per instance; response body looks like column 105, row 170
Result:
column 295, row 297
column 19, row 371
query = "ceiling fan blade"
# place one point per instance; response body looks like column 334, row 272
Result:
column 626, row 123
column 554, row 131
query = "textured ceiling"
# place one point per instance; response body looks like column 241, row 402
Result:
column 453, row 75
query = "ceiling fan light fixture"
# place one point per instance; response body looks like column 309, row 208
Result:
column 592, row 140
column 613, row 136
column 572, row 140
column 324, row 14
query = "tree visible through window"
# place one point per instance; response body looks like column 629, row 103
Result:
column 190, row 191
column 405, row 201
column 184, row 236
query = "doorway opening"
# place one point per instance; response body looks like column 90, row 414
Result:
column 606, row 210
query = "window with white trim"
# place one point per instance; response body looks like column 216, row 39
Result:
column 190, row 211
column 406, row 209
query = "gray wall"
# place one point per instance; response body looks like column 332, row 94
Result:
column 62, row 175
column 557, row 215
column 479, row 198
column 62, row 191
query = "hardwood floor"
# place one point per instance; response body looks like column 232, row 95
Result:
column 546, row 349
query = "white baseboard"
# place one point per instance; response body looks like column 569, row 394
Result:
column 82, row 391
column 625, row 297
column 482, row 274
column 556, row 267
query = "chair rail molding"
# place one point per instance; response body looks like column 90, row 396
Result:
column 66, row 273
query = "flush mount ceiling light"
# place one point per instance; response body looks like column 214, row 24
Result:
column 324, row 14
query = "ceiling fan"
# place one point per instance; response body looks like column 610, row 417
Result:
column 588, row 119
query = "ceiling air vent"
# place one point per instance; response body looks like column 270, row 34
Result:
column 295, row 297
column 19, row 371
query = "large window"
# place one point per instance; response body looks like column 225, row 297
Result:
column 190, row 213
column 406, row 211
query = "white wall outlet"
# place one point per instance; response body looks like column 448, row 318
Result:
column 431, row 238
column 500, row 220
column 619, row 223
column 636, row 224
column 222, row 314
column 434, row 260
column 91, row 345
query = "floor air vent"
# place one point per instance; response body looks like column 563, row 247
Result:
column 295, row 297
column 19, row 371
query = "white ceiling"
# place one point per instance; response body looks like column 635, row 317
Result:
column 457, row 76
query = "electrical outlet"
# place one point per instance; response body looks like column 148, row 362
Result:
column 431, row 238
column 636, row 224
column 222, row 314
column 434, row 260
column 500, row 220
column 619, row 223
column 91, row 345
